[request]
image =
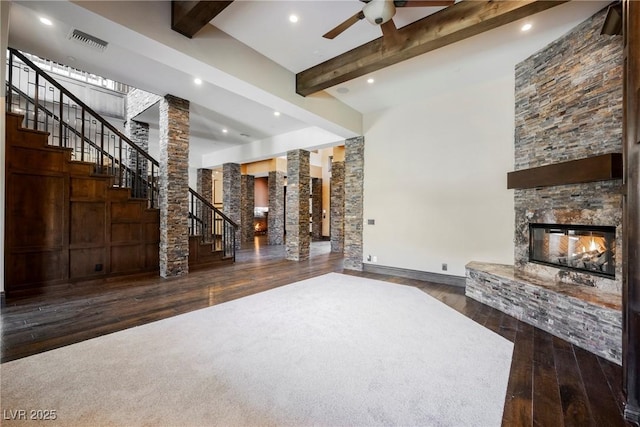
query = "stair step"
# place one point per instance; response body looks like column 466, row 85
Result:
column 122, row 194
column 80, row 168
column 27, row 137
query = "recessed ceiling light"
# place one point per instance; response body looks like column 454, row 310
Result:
column 526, row 27
column 224, row 131
column 276, row 113
column 293, row 18
column 46, row 21
column 197, row 81
column 370, row 80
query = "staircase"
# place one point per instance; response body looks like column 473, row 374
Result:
column 85, row 193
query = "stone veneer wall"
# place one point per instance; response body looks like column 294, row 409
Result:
column 204, row 184
column 138, row 132
column 353, row 203
column 174, row 186
column 590, row 321
column 247, row 207
column 231, row 195
column 569, row 106
column 297, row 212
column 275, row 226
column 337, row 207
column 316, row 208
column 136, row 102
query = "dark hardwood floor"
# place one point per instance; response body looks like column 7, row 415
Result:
column 552, row 382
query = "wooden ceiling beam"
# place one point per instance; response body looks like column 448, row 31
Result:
column 454, row 23
column 189, row 17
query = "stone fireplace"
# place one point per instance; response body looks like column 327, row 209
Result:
column 595, row 206
column 586, row 249
column 567, row 272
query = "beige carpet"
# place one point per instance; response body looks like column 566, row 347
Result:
column 333, row 350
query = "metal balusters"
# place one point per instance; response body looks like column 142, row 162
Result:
column 201, row 213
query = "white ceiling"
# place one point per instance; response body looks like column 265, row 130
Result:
column 300, row 46
column 144, row 53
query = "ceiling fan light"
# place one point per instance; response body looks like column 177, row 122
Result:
column 379, row 11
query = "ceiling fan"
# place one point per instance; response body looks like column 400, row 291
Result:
column 380, row 12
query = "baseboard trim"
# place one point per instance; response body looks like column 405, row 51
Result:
column 632, row 414
column 443, row 279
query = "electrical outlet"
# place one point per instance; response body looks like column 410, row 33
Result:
column 375, row 258
column 444, row 266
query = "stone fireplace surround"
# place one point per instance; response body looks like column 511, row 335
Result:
column 568, row 107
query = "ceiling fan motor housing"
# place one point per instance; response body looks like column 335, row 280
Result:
column 379, row 11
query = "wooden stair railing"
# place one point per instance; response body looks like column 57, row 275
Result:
column 48, row 106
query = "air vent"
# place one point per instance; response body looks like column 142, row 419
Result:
column 88, row 40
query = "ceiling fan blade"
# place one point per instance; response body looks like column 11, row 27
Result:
column 423, row 3
column 346, row 24
column 389, row 28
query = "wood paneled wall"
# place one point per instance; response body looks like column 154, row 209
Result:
column 66, row 224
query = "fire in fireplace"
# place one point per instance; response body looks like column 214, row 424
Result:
column 577, row 247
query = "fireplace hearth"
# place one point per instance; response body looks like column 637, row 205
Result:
column 589, row 249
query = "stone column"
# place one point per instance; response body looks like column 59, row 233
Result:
column 316, row 208
column 138, row 133
column 136, row 102
column 337, row 207
column 174, row 186
column 204, row 187
column 275, row 219
column 297, row 210
column 247, row 205
column 353, row 202
column 231, row 195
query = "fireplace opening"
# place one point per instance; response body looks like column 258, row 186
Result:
column 576, row 247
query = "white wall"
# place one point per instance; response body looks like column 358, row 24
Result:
column 435, row 179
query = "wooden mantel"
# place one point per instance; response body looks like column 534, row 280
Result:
column 597, row 168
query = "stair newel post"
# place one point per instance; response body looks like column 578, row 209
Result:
column 153, row 185
column 139, row 191
column 120, row 163
column 191, row 214
column 213, row 230
column 61, row 119
column 46, row 128
column 9, row 90
column 82, row 135
column 224, row 239
column 102, row 148
column 36, row 103
column 114, row 160
column 234, row 244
